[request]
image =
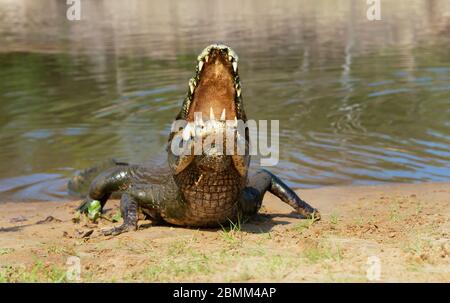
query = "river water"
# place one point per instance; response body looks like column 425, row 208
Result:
column 359, row 101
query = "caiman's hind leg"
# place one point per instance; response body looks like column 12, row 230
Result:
column 263, row 181
column 111, row 180
column 129, row 211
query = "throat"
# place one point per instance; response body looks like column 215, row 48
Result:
column 215, row 90
column 211, row 198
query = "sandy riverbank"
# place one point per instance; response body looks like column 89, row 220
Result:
column 404, row 227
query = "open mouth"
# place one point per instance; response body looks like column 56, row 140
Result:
column 215, row 90
column 214, row 114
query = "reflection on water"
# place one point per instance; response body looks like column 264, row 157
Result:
column 358, row 101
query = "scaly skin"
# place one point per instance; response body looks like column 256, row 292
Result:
column 203, row 190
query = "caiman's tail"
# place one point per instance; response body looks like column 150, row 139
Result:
column 78, row 185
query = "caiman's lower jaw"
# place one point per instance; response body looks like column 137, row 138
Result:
column 215, row 89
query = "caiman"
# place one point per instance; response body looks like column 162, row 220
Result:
column 197, row 189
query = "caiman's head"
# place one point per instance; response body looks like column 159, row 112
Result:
column 212, row 108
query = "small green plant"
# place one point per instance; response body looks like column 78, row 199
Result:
column 183, row 266
column 177, row 248
column 60, row 250
column 417, row 245
column 232, row 233
column 334, row 219
column 419, row 208
column 94, row 210
column 5, row 251
column 394, row 214
column 117, row 217
column 359, row 221
column 305, row 224
column 320, row 252
column 39, row 272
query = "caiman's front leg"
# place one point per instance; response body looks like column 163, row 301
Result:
column 152, row 199
column 263, row 181
column 112, row 180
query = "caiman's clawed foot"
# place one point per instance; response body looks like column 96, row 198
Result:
column 314, row 214
column 119, row 230
column 263, row 181
column 129, row 212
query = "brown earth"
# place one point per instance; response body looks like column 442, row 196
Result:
column 405, row 229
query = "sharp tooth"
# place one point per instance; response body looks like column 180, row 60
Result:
column 192, row 131
column 222, row 116
column 235, row 121
column 230, row 58
column 199, row 122
column 198, row 131
column 238, row 90
column 235, row 66
column 211, row 114
column 232, row 54
column 240, row 139
column 200, row 65
column 187, row 132
column 192, row 85
column 209, row 127
column 198, row 119
column 206, row 58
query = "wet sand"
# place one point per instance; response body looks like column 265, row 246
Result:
column 367, row 233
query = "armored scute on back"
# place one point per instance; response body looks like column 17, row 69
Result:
column 207, row 181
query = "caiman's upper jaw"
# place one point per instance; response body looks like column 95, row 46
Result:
column 219, row 48
column 215, row 86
